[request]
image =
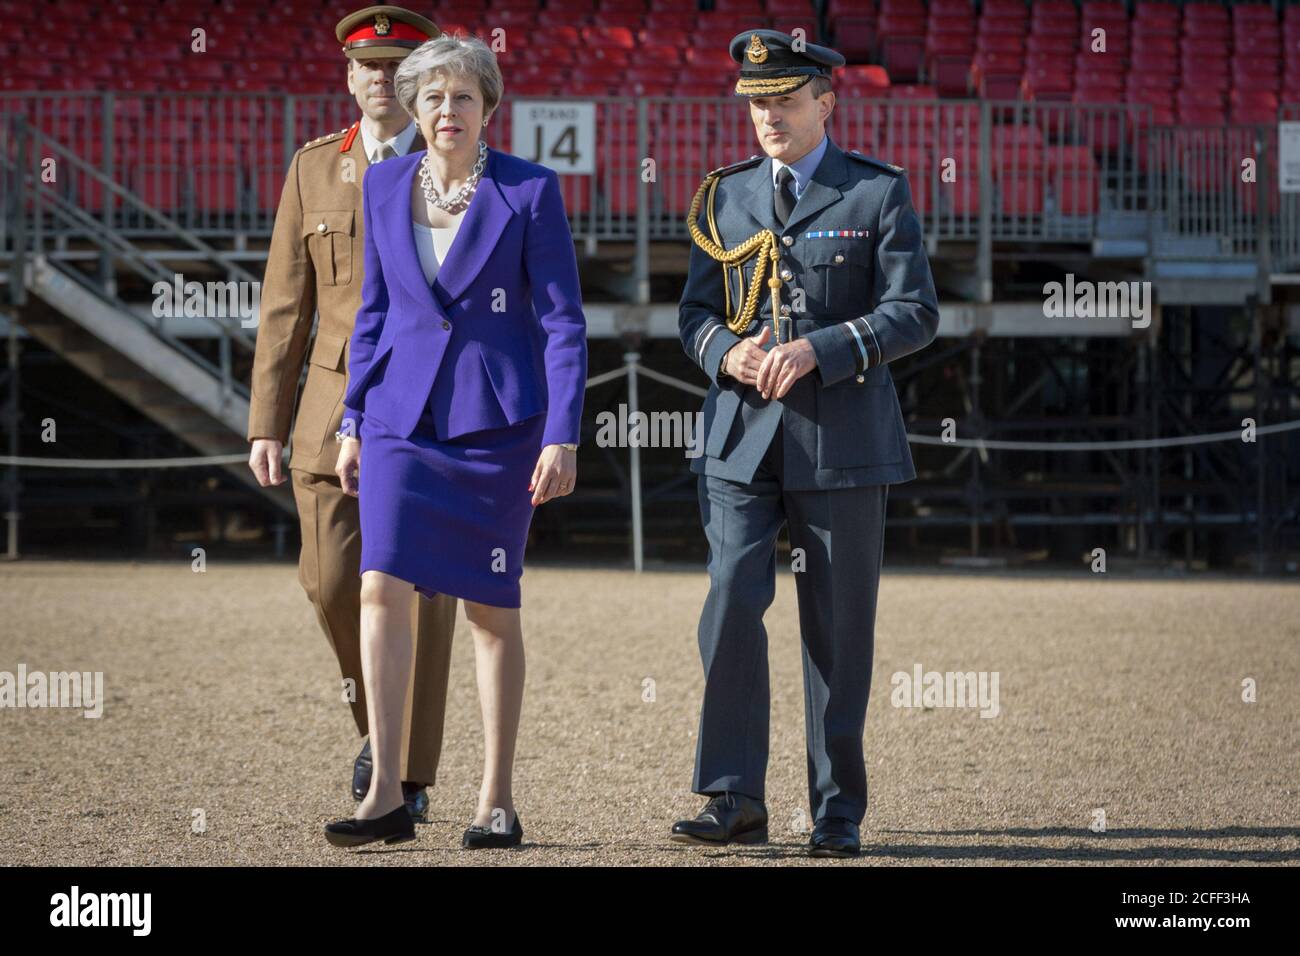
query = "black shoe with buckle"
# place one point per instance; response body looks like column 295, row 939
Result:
column 727, row 818
column 395, row 826
column 361, row 770
column 834, row 836
column 479, row 837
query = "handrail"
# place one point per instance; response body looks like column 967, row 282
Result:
column 131, row 198
column 230, row 385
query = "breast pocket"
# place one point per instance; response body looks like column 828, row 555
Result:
column 837, row 273
column 329, row 234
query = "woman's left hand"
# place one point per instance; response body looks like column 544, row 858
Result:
column 556, row 474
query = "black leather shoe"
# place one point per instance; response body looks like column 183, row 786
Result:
column 361, row 773
column 834, row 836
column 395, row 826
column 417, row 801
column 484, row 837
column 727, row 818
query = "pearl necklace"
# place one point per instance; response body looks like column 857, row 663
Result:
column 464, row 193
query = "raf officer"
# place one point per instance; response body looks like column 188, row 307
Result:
column 807, row 277
column 314, row 266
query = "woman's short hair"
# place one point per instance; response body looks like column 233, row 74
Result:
column 468, row 56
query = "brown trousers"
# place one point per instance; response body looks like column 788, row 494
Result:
column 329, row 571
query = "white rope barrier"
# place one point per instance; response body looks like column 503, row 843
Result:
column 28, row 461
column 1234, row 435
column 92, row 463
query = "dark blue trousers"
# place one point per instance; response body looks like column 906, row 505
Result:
column 837, row 543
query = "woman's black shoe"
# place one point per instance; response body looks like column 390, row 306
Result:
column 484, row 838
column 395, row 826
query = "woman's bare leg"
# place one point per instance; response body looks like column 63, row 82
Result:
column 386, row 659
column 499, row 666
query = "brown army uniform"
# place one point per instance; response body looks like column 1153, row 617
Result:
column 315, row 265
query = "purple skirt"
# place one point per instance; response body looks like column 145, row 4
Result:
column 449, row 516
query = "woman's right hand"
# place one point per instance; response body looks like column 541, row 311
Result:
column 348, row 467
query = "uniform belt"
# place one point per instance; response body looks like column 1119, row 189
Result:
column 786, row 329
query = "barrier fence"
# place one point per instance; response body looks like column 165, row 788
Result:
column 979, row 169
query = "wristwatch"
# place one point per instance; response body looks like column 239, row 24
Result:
column 569, row 445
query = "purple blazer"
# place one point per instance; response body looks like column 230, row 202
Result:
column 499, row 336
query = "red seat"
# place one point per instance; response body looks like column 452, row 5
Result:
column 855, row 37
column 216, row 189
column 1073, row 174
column 604, row 36
column 660, row 24
column 268, row 180
column 807, row 23
column 161, row 187
column 962, row 196
column 1018, row 147
column 862, row 75
column 576, row 191
column 1057, row 44
column 1020, row 194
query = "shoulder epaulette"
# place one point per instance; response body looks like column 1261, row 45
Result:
column 327, row 138
column 737, row 167
column 876, row 162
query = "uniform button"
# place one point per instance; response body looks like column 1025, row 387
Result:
column 838, row 258
column 446, row 324
column 787, row 275
column 785, row 309
column 862, row 378
column 788, row 240
column 321, row 227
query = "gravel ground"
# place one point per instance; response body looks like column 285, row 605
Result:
column 1116, row 695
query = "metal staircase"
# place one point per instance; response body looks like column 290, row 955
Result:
column 76, row 312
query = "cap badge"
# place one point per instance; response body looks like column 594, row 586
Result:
column 756, row 52
column 382, row 26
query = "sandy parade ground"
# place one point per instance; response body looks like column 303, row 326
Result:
column 1112, row 728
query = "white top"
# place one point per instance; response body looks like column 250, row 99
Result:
column 432, row 245
column 401, row 143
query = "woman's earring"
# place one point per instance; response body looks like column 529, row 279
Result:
column 485, row 122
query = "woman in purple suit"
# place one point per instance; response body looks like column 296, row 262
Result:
column 467, row 369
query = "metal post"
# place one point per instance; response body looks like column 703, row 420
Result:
column 630, row 359
column 976, row 489
column 1263, row 220
column 1261, row 418
column 18, row 267
column 641, row 260
column 1144, row 431
column 289, row 137
column 107, row 280
column 984, row 251
column 12, row 417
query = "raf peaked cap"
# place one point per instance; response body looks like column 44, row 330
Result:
column 383, row 31
column 771, row 64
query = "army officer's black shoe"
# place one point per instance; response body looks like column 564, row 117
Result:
column 361, row 770
column 726, row 818
column 834, row 836
column 417, row 801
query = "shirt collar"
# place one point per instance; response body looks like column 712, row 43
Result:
column 401, row 143
column 802, row 168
